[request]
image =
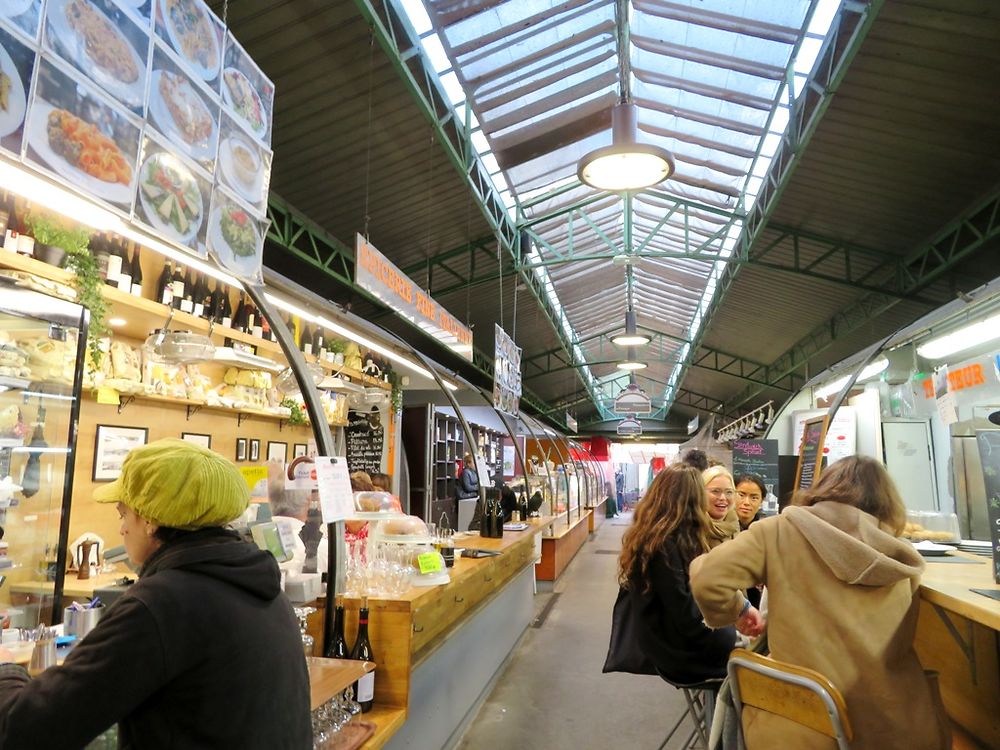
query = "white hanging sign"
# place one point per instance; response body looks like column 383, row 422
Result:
column 336, row 499
column 506, row 373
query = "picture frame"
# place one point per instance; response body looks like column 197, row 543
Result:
column 111, row 444
column 254, row 449
column 241, row 449
column 299, row 449
column 277, row 451
column 198, row 438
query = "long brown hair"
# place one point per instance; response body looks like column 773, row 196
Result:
column 862, row 482
column 672, row 508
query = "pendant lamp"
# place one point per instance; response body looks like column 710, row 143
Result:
column 630, row 362
column 631, row 336
column 625, row 164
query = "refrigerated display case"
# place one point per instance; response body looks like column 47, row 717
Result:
column 42, row 346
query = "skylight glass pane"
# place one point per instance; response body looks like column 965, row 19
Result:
column 417, row 14
column 436, row 54
column 452, row 88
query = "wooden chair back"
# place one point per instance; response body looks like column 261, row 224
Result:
column 801, row 695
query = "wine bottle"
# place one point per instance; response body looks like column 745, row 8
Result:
column 265, row 329
column 198, row 296
column 226, row 308
column 125, row 272
column 364, row 688
column 319, row 343
column 251, row 322
column 498, row 522
column 307, row 340
column 114, row 267
column 164, row 285
column 208, row 300
column 338, row 644
column 187, row 301
column 177, row 287
column 101, row 255
column 240, row 317
column 136, row 289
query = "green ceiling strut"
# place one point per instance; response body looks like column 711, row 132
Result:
column 397, row 38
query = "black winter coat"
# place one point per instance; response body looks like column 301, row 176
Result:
column 671, row 630
column 202, row 652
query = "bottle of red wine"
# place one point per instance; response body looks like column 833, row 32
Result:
column 102, row 255
column 338, row 644
column 364, row 688
column 136, row 290
column 198, row 296
column 307, row 340
column 187, row 301
column 114, row 267
column 226, row 309
column 125, row 271
column 265, row 329
column 241, row 316
column 164, row 285
column 177, row 287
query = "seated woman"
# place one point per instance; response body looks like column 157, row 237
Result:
column 720, row 498
column 750, row 494
column 671, row 529
column 383, row 483
column 842, row 589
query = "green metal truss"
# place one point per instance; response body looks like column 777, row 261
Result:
column 849, row 28
column 400, row 43
column 965, row 235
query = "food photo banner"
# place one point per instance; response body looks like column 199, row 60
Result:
column 149, row 107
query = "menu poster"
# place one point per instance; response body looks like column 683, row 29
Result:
column 195, row 34
column 103, row 43
column 173, row 196
column 236, row 236
column 758, row 457
column 246, row 92
column 87, row 141
column 989, row 454
column 810, row 453
column 183, row 109
column 244, row 165
column 365, row 437
column 23, row 14
column 17, row 63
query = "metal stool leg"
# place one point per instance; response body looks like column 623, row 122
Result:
column 696, row 708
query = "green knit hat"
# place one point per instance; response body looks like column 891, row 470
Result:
column 178, row 484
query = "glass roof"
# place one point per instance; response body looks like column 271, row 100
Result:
column 710, row 79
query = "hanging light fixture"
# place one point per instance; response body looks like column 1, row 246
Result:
column 626, row 164
column 630, row 362
column 631, row 336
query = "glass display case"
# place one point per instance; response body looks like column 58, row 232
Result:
column 42, row 343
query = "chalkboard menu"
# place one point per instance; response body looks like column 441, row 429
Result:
column 758, row 457
column 365, row 439
column 989, row 454
column 810, row 453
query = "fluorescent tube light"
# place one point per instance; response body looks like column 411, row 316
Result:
column 962, row 339
column 869, row 372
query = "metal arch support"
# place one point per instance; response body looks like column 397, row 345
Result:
column 961, row 238
column 455, row 140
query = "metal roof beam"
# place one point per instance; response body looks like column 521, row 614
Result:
column 964, row 236
column 393, row 31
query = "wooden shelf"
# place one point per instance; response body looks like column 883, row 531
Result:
column 194, row 406
column 387, row 720
column 330, row 677
column 356, row 376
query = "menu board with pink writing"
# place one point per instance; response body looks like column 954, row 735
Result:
column 759, row 457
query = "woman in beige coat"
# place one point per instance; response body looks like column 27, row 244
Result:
column 842, row 601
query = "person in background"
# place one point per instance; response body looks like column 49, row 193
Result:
column 177, row 660
column 750, row 493
column 835, row 567
column 720, row 496
column 508, row 502
column 355, row 531
column 468, row 482
column 670, row 529
column 383, row 483
column 696, row 458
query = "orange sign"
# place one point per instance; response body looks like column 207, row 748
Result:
column 377, row 274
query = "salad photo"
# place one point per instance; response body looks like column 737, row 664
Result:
column 170, row 197
column 241, row 96
column 235, row 236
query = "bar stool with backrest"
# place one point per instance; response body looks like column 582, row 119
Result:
column 801, row 695
column 698, row 705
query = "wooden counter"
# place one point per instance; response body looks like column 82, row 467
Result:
column 560, row 546
column 73, row 587
column 407, row 629
column 958, row 634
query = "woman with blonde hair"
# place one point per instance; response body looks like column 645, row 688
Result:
column 669, row 530
column 834, row 565
column 720, row 504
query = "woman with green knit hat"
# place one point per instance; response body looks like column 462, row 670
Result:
column 203, row 651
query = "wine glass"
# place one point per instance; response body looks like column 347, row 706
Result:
column 307, row 640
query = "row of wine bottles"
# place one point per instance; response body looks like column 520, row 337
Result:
column 491, row 525
column 364, row 688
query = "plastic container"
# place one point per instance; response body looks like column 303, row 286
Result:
column 931, row 526
column 179, row 347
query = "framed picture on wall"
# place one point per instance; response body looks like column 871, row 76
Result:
column 205, row 441
column 241, row 449
column 254, row 449
column 111, row 446
column 277, row 451
column 299, row 449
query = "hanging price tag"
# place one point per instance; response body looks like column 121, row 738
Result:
column 335, row 496
column 108, row 396
column 429, row 562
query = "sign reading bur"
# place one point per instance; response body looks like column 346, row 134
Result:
column 630, row 426
column 633, row 400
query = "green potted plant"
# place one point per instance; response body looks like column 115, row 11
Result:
column 54, row 240
column 337, row 347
